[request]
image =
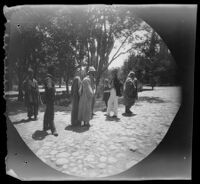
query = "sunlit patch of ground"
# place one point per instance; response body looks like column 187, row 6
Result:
column 109, row 146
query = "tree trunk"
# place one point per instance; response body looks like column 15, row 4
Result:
column 60, row 82
column 67, row 86
column 20, row 93
column 97, row 83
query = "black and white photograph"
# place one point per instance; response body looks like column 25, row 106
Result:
column 92, row 91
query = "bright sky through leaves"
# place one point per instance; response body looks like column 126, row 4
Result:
column 118, row 62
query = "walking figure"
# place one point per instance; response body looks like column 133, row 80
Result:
column 49, row 84
column 31, row 95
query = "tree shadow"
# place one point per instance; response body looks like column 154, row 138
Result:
column 151, row 99
column 15, row 107
column 78, row 129
column 112, row 119
column 69, row 127
column 22, row 121
column 128, row 114
column 147, row 89
column 39, row 135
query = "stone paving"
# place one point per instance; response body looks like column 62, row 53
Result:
column 109, row 146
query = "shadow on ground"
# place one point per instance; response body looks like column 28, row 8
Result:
column 21, row 121
column 78, row 129
column 151, row 99
column 146, row 89
column 112, row 119
column 15, row 107
column 128, row 114
column 39, row 135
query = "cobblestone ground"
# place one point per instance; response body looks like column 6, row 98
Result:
column 109, row 146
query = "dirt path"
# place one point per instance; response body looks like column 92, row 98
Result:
column 109, row 146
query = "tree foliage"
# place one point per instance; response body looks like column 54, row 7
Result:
column 153, row 62
column 73, row 38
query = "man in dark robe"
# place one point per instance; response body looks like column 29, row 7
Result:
column 130, row 92
column 75, row 101
column 49, row 84
column 31, row 95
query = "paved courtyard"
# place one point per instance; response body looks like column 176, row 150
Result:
column 109, row 146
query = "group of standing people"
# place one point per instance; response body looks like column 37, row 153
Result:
column 33, row 99
column 83, row 97
column 115, row 89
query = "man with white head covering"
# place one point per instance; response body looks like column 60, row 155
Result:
column 86, row 93
column 130, row 92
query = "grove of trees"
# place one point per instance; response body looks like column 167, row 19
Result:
column 73, row 38
column 153, row 63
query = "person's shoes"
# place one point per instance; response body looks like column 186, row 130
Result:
column 35, row 118
column 55, row 134
column 29, row 118
column 87, row 125
column 129, row 112
column 108, row 115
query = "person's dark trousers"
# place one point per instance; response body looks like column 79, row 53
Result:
column 32, row 110
column 106, row 102
column 127, row 109
column 49, row 118
column 35, row 109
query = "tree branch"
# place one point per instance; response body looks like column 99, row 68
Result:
column 122, row 53
column 116, row 58
column 120, row 47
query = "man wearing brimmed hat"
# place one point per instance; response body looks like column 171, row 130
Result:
column 86, row 93
column 130, row 92
column 31, row 95
column 49, row 84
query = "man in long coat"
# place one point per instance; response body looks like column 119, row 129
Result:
column 86, row 96
column 130, row 92
column 31, row 95
column 49, row 84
